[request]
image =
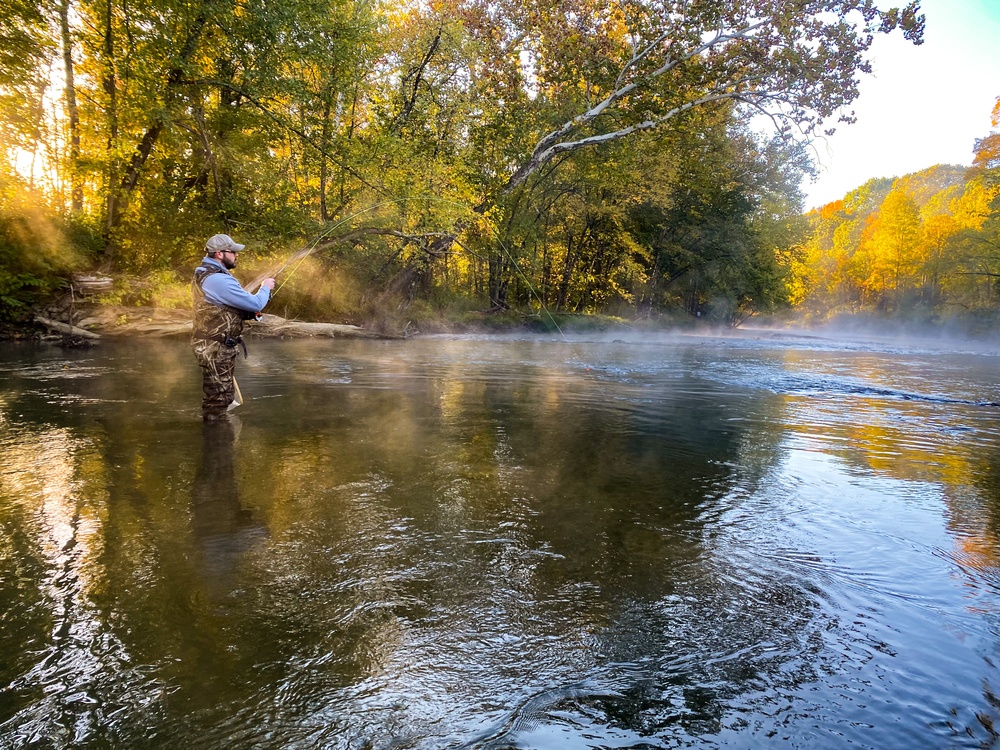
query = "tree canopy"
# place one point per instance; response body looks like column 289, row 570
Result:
column 572, row 154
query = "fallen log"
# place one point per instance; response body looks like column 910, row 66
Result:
column 58, row 327
column 147, row 321
column 273, row 325
column 128, row 321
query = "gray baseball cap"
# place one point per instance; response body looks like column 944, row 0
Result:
column 220, row 243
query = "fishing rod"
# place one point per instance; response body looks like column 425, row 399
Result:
column 302, row 254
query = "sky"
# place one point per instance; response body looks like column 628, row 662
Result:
column 922, row 106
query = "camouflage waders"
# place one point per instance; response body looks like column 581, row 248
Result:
column 216, row 334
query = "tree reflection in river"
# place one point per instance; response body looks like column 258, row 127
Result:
column 495, row 543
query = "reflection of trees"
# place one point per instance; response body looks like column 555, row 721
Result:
column 974, row 518
column 65, row 671
column 446, row 530
column 484, row 448
column 39, row 554
column 911, row 440
column 907, row 439
column 527, row 515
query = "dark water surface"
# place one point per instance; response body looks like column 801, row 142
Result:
column 502, row 543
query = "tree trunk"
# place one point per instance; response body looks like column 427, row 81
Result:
column 499, row 280
column 110, row 85
column 323, row 168
column 569, row 265
column 76, row 188
column 118, row 196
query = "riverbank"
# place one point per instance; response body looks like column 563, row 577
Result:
column 83, row 324
column 91, row 323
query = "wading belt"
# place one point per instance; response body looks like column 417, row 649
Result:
column 226, row 341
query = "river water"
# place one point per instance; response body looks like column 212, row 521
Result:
column 464, row 542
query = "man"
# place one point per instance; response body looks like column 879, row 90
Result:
column 220, row 307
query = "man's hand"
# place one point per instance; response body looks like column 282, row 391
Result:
column 267, row 284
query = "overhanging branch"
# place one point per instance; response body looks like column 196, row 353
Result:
column 539, row 158
column 553, row 143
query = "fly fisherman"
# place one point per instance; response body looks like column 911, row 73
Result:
column 220, row 307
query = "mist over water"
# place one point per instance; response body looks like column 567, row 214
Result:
column 503, row 542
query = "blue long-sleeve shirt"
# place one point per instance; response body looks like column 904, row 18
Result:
column 224, row 289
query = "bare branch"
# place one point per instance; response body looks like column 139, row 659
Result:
column 552, row 144
column 432, row 241
column 538, row 158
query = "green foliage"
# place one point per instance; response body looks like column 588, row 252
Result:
column 25, row 52
column 571, row 156
column 163, row 288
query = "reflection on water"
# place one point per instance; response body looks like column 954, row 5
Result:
column 502, row 543
column 224, row 529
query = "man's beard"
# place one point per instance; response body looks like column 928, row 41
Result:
column 229, row 264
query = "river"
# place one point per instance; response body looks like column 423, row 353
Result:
column 668, row 541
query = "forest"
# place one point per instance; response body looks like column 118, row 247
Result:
column 454, row 160
column 922, row 247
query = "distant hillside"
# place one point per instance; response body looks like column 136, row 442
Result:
column 927, row 188
column 925, row 184
column 926, row 244
column 934, row 188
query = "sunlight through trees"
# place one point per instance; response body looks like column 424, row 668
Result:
column 461, row 155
